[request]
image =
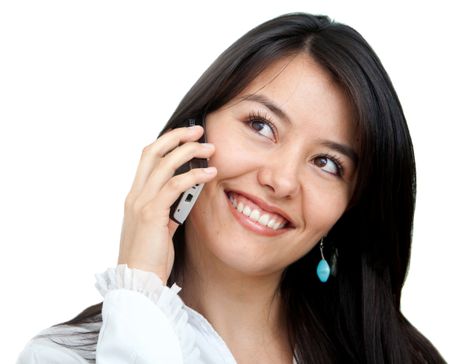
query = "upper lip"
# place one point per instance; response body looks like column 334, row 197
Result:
column 265, row 205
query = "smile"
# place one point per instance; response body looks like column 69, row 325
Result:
column 254, row 218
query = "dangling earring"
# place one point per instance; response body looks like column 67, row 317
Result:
column 323, row 269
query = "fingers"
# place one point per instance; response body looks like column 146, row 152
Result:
column 182, row 182
column 168, row 165
column 152, row 153
column 147, row 231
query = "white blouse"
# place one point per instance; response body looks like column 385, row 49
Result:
column 143, row 321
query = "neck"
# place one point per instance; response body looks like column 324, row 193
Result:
column 244, row 309
column 232, row 301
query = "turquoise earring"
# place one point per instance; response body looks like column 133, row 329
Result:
column 323, row 269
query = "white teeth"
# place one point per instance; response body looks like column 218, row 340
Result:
column 255, row 215
column 264, row 219
column 233, row 201
column 247, row 211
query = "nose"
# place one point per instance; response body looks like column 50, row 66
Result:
column 281, row 175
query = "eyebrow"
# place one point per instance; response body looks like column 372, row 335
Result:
column 268, row 104
column 341, row 148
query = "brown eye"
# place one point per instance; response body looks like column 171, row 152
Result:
column 261, row 124
column 262, row 127
column 329, row 165
column 320, row 162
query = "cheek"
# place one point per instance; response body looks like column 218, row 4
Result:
column 321, row 209
column 323, row 206
column 229, row 158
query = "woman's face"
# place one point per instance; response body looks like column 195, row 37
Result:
column 284, row 155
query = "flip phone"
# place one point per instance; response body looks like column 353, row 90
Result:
column 180, row 209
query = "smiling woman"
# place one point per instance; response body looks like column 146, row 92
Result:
column 311, row 172
column 281, row 172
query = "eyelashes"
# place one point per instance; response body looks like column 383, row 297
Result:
column 339, row 168
column 261, row 124
column 259, row 118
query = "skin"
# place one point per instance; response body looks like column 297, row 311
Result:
column 232, row 273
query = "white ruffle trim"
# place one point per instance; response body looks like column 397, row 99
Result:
column 167, row 299
column 147, row 283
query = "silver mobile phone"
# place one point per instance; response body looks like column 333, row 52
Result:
column 180, row 209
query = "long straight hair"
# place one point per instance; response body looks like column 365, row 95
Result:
column 355, row 317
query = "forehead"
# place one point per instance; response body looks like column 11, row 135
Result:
column 308, row 94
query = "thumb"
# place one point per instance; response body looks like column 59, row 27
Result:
column 172, row 227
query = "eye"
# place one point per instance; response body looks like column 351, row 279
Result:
column 262, row 125
column 330, row 164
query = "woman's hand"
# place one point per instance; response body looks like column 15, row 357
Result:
column 147, row 231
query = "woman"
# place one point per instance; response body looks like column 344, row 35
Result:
column 311, row 172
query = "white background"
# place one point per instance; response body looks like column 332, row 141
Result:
column 85, row 85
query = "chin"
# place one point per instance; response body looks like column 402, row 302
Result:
column 229, row 252
column 227, row 242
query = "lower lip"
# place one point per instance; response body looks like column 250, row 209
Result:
column 249, row 224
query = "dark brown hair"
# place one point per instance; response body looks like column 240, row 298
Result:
column 355, row 317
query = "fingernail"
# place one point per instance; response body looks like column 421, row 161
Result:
column 210, row 170
column 207, row 146
column 193, row 128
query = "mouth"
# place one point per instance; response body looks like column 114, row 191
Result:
column 254, row 217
